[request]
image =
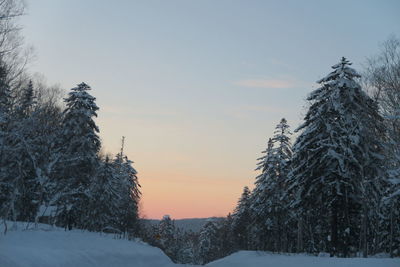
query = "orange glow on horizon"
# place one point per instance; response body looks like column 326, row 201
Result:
column 184, row 171
column 181, row 196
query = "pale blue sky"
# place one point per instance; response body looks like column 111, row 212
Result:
column 198, row 86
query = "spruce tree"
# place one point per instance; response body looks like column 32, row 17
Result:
column 337, row 164
column 129, row 193
column 277, row 187
column 227, row 235
column 259, row 200
column 270, row 226
column 241, row 220
column 209, row 243
column 80, row 145
column 168, row 237
column 27, row 100
column 104, row 198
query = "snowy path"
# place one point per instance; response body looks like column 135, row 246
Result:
column 58, row 248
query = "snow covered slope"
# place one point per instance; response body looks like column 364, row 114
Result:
column 56, row 247
column 256, row 259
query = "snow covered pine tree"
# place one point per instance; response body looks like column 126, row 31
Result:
column 241, row 220
column 81, row 144
column 269, row 208
column 259, row 200
column 129, row 193
column 209, row 243
column 337, row 165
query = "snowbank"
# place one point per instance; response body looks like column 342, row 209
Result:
column 55, row 247
column 256, row 259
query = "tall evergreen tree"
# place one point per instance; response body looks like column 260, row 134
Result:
column 23, row 128
column 129, row 192
column 241, row 220
column 104, row 197
column 270, row 225
column 337, row 164
column 81, row 144
column 259, row 200
column 209, row 243
column 168, row 236
column 27, row 100
column 277, row 188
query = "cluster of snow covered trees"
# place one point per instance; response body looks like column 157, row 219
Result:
column 188, row 247
column 336, row 189
column 51, row 166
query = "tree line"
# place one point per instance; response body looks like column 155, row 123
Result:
column 51, row 166
column 52, row 169
column 335, row 190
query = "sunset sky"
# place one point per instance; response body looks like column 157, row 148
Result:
column 197, row 87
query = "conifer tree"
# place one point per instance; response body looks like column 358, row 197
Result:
column 168, row 236
column 241, row 220
column 104, row 198
column 129, row 192
column 337, row 165
column 227, row 236
column 277, row 188
column 259, row 200
column 27, row 100
column 81, row 144
column 209, row 244
column 270, row 226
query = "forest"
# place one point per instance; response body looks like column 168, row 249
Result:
column 330, row 185
column 335, row 191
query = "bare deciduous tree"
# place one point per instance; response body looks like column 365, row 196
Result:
column 13, row 53
column 382, row 77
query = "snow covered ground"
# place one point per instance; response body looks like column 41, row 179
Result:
column 256, row 259
column 54, row 247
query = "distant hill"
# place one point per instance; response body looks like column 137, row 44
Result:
column 192, row 224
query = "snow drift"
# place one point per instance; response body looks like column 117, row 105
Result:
column 257, row 259
column 51, row 247
column 48, row 246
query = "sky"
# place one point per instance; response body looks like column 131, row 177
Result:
column 197, row 87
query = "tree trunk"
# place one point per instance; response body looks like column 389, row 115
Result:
column 300, row 235
column 334, row 230
column 364, row 231
column 391, row 231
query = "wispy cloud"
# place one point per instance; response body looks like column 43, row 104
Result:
column 270, row 83
column 246, row 112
